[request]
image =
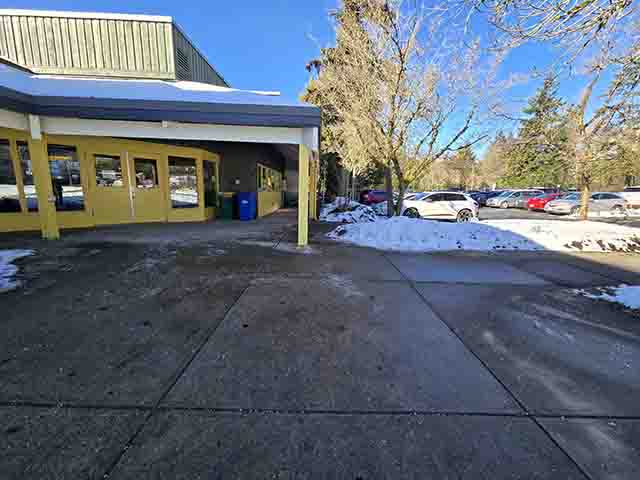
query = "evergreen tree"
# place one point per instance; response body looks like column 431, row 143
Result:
column 538, row 156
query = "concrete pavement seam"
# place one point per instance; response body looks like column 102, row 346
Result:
column 304, row 411
column 492, row 373
column 172, row 384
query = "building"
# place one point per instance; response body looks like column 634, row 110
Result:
column 102, row 45
column 88, row 139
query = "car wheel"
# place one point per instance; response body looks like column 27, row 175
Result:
column 464, row 216
column 617, row 209
column 574, row 210
column 504, row 205
column 411, row 213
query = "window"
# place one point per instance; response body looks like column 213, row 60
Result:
column 9, row 196
column 64, row 166
column 28, row 181
column 438, row 197
column 183, row 182
column 606, row 196
column 146, row 173
column 108, row 171
column 455, row 197
column 269, row 179
column 210, row 174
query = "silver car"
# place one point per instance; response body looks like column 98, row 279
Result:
column 598, row 202
column 514, row 199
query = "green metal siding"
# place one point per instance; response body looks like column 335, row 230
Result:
column 191, row 64
column 104, row 45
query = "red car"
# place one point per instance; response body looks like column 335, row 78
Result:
column 371, row 197
column 538, row 203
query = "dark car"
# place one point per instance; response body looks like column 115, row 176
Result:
column 479, row 197
column 371, row 197
column 482, row 197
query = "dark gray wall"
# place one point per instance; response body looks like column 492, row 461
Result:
column 239, row 162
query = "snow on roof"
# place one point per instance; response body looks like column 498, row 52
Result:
column 71, row 14
column 144, row 89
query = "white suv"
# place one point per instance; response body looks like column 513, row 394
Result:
column 441, row 205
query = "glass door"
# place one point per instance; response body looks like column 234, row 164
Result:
column 147, row 198
column 111, row 197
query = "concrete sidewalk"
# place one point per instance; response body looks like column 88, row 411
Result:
column 226, row 356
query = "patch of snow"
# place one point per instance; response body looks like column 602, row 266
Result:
column 295, row 248
column 8, row 269
column 627, row 295
column 380, row 208
column 288, row 247
column 345, row 285
column 416, row 235
column 342, row 210
column 136, row 89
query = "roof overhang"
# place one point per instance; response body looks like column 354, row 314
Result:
column 161, row 110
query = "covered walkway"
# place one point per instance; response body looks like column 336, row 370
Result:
column 79, row 153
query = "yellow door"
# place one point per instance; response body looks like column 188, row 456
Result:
column 110, row 188
column 148, row 199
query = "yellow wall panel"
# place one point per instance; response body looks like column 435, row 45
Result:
column 269, row 202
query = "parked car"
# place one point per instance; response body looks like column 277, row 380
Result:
column 514, row 199
column 441, row 205
column 598, row 202
column 371, row 197
column 492, row 199
column 479, row 197
column 632, row 196
column 539, row 202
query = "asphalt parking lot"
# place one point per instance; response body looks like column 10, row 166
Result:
column 488, row 213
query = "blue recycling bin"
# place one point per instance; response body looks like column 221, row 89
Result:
column 247, row 205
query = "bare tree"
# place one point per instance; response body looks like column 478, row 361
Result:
column 403, row 90
column 602, row 33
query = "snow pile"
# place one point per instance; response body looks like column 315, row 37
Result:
column 415, row 235
column 627, row 295
column 380, row 208
column 342, row 210
column 8, row 270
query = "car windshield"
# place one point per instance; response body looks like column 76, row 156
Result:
column 570, row 196
column 504, row 194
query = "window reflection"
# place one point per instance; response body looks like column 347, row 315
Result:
column 183, row 182
column 9, row 196
column 27, row 176
column 146, row 173
column 108, row 171
column 64, row 166
column 210, row 174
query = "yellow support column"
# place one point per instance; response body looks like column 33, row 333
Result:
column 314, row 187
column 303, row 195
column 44, row 189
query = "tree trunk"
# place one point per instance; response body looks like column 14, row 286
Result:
column 388, row 183
column 397, row 169
column 584, row 202
column 354, row 187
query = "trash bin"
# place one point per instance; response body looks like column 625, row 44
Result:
column 227, row 202
column 247, row 205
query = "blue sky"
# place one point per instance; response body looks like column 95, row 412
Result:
column 255, row 44
column 265, row 44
